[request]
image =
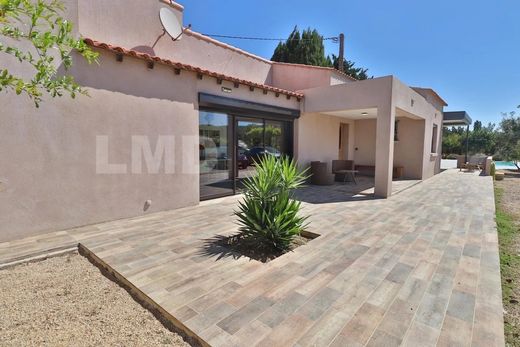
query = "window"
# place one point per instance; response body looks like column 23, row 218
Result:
column 396, row 130
column 434, row 138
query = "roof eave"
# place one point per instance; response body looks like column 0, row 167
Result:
column 187, row 67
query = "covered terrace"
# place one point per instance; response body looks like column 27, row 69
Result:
column 387, row 128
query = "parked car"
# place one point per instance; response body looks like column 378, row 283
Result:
column 256, row 153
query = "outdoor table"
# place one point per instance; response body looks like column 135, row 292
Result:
column 349, row 173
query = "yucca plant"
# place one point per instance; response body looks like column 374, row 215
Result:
column 268, row 215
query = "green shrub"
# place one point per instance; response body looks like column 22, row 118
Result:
column 452, row 156
column 492, row 170
column 268, row 215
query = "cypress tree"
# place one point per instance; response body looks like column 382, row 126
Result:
column 308, row 49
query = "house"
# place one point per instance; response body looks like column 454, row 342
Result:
column 169, row 123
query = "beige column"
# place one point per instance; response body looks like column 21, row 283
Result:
column 384, row 150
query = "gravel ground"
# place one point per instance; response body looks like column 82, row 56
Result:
column 66, row 301
column 511, row 199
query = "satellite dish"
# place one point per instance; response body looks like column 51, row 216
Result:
column 170, row 23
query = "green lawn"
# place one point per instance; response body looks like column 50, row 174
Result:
column 509, row 239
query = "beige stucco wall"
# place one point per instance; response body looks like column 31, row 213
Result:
column 425, row 109
column 339, row 78
column 365, row 142
column 408, row 151
column 136, row 25
column 48, row 155
column 317, row 138
column 296, row 77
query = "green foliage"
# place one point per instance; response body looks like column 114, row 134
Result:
column 255, row 135
column 50, row 39
column 493, row 170
column 509, row 138
column 452, row 142
column 482, row 139
column 269, row 216
column 307, row 48
column 349, row 68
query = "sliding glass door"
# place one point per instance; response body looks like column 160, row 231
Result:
column 249, row 144
column 215, row 155
column 230, row 145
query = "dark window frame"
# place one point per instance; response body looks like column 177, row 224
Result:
column 237, row 109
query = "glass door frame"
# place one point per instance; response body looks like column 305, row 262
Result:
column 230, row 141
column 233, row 119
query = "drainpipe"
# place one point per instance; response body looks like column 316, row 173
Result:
column 467, row 144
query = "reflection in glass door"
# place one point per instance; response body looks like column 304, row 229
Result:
column 278, row 137
column 215, row 155
column 250, row 145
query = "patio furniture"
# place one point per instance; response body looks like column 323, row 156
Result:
column 340, row 165
column 320, row 174
column 348, row 173
column 469, row 167
column 472, row 165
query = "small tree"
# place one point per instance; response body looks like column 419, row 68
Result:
column 306, row 48
column 39, row 23
column 269, row 216
column 509, row 138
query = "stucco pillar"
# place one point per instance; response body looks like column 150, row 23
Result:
column 384, row 150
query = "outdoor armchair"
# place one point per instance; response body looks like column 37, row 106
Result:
column 320, row 174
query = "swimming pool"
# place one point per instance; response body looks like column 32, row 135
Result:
column 504, row 165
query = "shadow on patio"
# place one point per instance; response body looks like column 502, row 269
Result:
column 342, row 192
column 217, row 247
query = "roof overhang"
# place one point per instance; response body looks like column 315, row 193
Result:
column 246, row 108
column 456, row 118
column 432, row 92
column 200, row 71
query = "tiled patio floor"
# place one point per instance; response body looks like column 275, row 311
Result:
column 418, row 269
column 341, row 192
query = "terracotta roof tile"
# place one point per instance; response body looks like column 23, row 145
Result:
column 187, row 67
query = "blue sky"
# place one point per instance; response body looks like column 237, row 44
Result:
column 467, row 50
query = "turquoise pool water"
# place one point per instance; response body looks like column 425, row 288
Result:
column 505, row 165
